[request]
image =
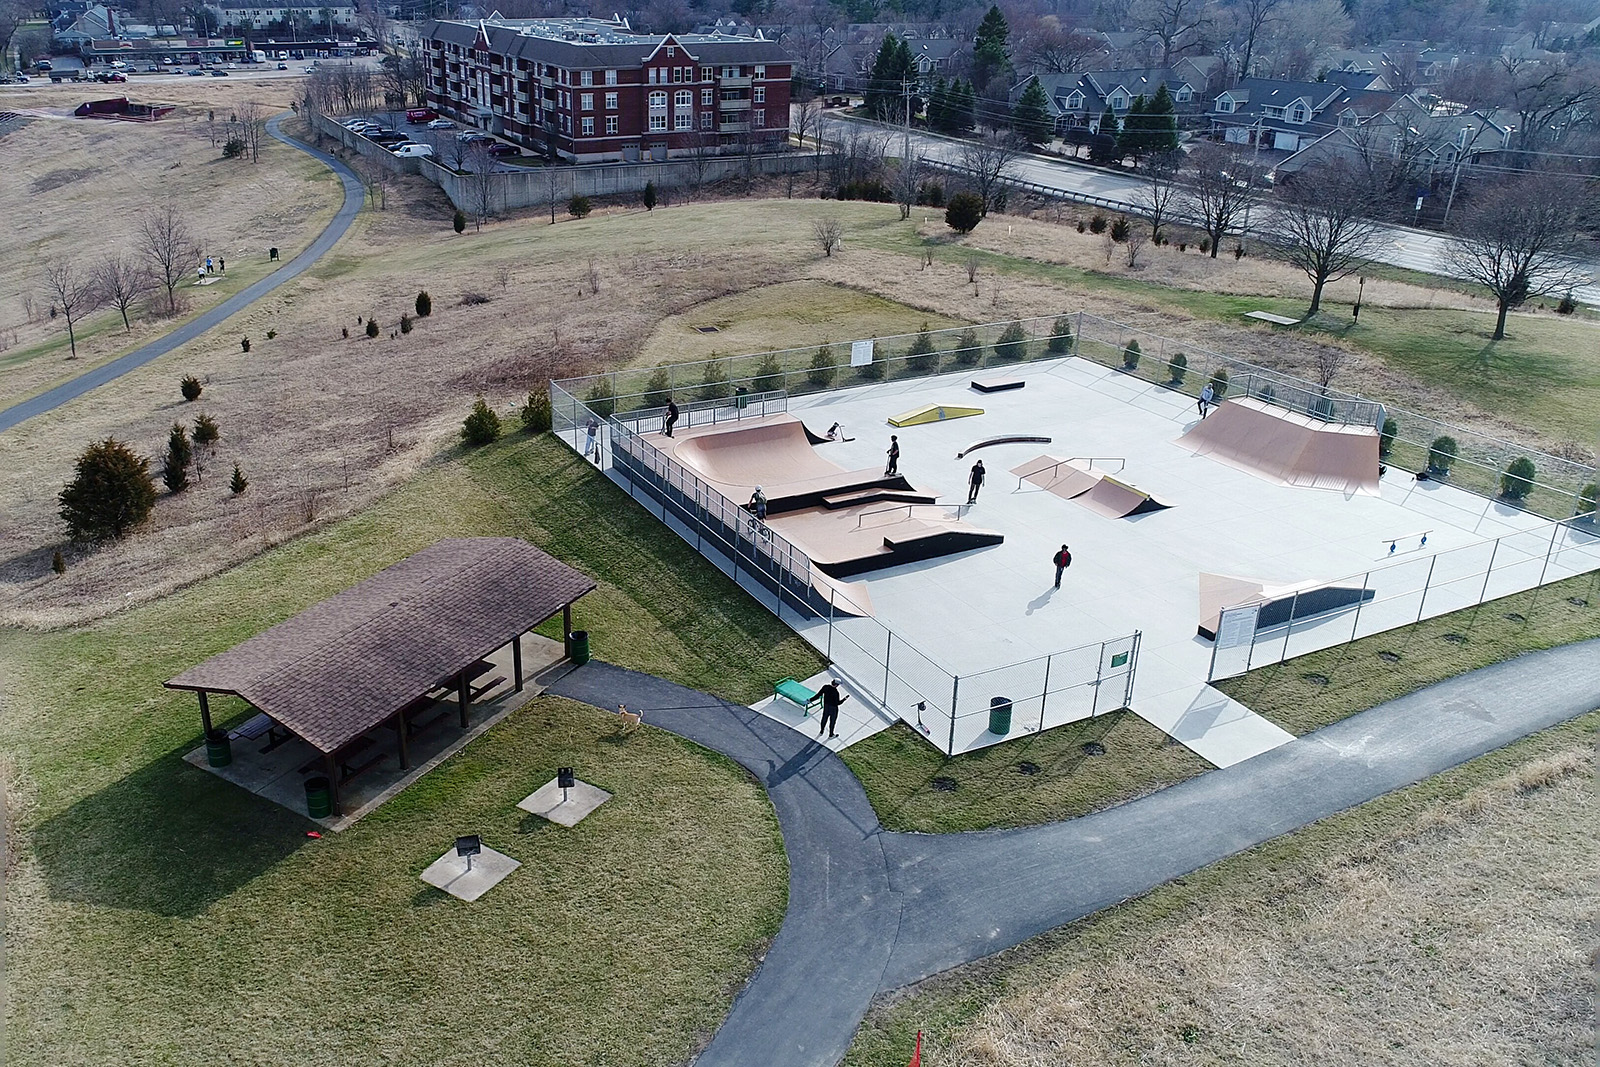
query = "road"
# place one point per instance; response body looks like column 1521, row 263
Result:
column 1402, row 246
column 872, row 911
column 354, row 195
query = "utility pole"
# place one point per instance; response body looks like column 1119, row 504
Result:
column 905, row 88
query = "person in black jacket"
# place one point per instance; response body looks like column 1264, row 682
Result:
column 1062, row 560
column 831, row 699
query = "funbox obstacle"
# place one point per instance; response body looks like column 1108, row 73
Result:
column 846, row 522
column 1288, row 448
column 932, row 413
column 1080, row 482
column 1276, row 603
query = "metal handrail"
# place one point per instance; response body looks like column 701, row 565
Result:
column 896, row 507
column 1091, row 460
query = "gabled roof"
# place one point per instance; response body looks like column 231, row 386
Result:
column 343, row 666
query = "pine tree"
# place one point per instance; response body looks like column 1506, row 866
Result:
column 110, row 493
column 939, row 105
column 882, row 84
column 990, row 54
column 1031, row 117
column 1130, row 142
column 1161, row 123
column 962, row 106
column 175, row 473
column 238, row 483
column 1103, row 145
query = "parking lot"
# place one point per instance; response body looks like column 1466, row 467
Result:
column 451, row 144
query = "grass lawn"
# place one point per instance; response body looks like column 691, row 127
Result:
column 991, row 789
column 1319, row 688
column 1446, row 923
column 157, row 913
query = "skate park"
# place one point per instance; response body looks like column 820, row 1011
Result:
column 1178, row 529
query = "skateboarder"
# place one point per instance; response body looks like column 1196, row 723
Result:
column 1206, row 396
column 590, row 444
column 894, row 456
column 672, row 416
column 758, row 504
column 831, row 699
column 1062, row 560
column 974, row 482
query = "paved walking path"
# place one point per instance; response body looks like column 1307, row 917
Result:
column 354, row 194
column 871, row 910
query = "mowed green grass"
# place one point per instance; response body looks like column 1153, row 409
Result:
column 1314, row 690
column 157, row 914
column 991, row 787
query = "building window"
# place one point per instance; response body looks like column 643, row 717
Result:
column 671, row 52
column 585, row 101
column 658, row 101
column 1118, row 102
column 705, row 120
column 611, row 77
column 761, row 70
column 611, row 101
column 658, row 120
column 611, row 124
column 730, row 72
column 564, row 99
column 705, row 97
column 683, row 98
column 586, row 77
column 758, row 117
column 706, row 74
column 566, row 124
column 1075, row 101
column 1184, row 95
column 1298, row 114
column 588, row 127
column 683, row 120
column 759, row 94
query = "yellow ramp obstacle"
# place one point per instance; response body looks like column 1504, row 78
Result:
column 932, row 413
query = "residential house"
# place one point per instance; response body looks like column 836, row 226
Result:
column 258, row 14
column 1081, row 99
column 1272, row 114
column 592, row 90
column 1440, row 147
column 93, row 23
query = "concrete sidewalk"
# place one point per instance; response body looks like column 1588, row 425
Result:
column 871, row 911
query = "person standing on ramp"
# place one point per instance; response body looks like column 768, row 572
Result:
column 672, row 417
column 1062, row 560
column 975, row 482
column 831, row 699
column 894, row 456
column 1206, row 396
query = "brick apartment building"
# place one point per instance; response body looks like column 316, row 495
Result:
column 590, row 90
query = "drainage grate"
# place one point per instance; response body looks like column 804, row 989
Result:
column 943, row 784
column 1577, row 601
column 1316, row 679
column 1454, row 639
column 1027, row 768
column 1389, row 657
column 1512, row 616
column 707, row 329
column 1093, row 748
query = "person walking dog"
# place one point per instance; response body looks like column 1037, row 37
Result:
column 672, row 417
column 975, row 482
column 831, row 699
column 1062, row 560
column 894, row 456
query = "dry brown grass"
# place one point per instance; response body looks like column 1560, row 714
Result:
column 76, row 188
column 1459, row 937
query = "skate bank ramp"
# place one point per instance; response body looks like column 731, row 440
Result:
column 1288, row 448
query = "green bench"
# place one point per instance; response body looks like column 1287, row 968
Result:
column 795, row 693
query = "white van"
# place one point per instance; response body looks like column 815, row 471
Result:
column 414, row 151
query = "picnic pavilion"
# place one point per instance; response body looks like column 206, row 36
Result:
column 385, row 654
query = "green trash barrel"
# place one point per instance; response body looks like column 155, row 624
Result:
column 580, row 647
column 219, row 750
column 319, row 798
column 1000, row 716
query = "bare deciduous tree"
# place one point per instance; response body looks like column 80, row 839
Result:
column 1322, row 224
column 165, row 243
column 376, row 178
column 121, row 281
column 1515, row 239
column 250, row 127
column 1054, row 49
column 1329, row 362
column 1159, row 195
column 828, row 233
column 1253, row 16
column 805, row 121
column 1137, row 239
column 1179, row 25
column 1220, row 190
column 989, row 161
column 74, row 292
column 485, row 183
column 906, row 183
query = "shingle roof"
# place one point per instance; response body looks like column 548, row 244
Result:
column 342, row 666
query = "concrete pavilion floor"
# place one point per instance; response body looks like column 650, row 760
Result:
column 277, row 775
column 996, row 606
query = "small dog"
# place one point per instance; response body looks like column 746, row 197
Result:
column 630, row 719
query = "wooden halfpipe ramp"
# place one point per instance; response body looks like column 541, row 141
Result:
column 1288, row 448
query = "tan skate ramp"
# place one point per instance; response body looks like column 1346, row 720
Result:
column 1277, row 601
column 1288, row 448
column 1089, row 486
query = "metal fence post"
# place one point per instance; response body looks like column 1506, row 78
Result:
column 1555, row 530
column 830, row 625
column 1493, row 551
column 1289, row 632
column 955, row 692
column 1425, row 583
column 1360, row 600
column 1133, row 668
column 1044, row 694
column 1099, row 669
column 1211, row 668
column 888, row 647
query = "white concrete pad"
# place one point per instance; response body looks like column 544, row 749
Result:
column 450, row 873
column 581, row 800
column 859, row 717
column 1212, row 724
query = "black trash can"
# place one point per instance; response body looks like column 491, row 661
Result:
column 740, row 397
column 580, row 647
column 319, row 798
column 219, row 750
column 1000, row 716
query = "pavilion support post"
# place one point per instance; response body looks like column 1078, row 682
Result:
column 516, row 660
column 566, row 630
column 403, row 731
column 333, row 781
column 463, row 697
column 205, row 712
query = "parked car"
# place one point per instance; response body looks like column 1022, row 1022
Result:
column 311, row 70
column 418, row 115
column 500, row 148
column 441, row 124
column 389, row 140
column 283, row 66
column 411, row 150
column 196, row 73
column 219, row 74
column 152, row 69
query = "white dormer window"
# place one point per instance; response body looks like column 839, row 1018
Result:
column 1118, row 101
column 1347, row 118
column 1225, row 105
column 1075, row 101
column 1298, row 113
column 1185, row 94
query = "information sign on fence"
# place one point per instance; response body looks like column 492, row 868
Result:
column 860, row 353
